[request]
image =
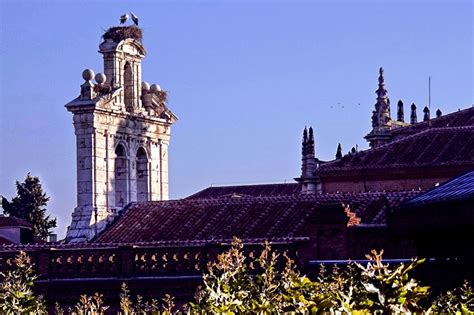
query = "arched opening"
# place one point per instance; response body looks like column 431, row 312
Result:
column 142, row 175
column 128, row 88
column 121, row 177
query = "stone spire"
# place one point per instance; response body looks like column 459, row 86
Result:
column 381, row 114
column 426, row 116
column 381, row 122
column 400, row 114
column 309, row 180
column 339, row 152
column 311, row 142
column 413, row 118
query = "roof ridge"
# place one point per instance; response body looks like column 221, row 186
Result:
column 435, row 119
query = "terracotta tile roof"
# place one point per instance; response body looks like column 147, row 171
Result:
column 246, row 218
column 266, row 190
column 13, row 222
column 459, row 188
column 432, row 147
column 460, row 118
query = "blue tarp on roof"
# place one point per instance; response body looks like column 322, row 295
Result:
column 459, row 188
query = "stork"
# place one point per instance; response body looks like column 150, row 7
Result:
column 124, row 18
column 134, row 18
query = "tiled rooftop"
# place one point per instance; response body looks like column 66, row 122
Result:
column 460, row 118
column 244, row 217
column 264, row 190
column 13, row 222
column 432, row 147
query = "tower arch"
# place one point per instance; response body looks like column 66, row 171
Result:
column 121, row 176
column 143, row 175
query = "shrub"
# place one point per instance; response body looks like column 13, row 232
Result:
column 236, row 284
column 16, row 289
column 457, row 301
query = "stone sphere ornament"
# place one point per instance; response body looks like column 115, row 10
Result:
column 145, row 86
column 100, row 78
column 87, row 74
column 155, row 88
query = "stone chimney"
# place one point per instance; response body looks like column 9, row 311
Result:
column 339, row 152
column 413, row 118
column 400, row 114
column 426, row 116
column 309, row 180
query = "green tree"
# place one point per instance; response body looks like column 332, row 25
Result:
column 30, row 205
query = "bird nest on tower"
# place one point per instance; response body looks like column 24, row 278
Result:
column 119, row 33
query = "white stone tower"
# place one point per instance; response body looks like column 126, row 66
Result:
column 122, row 129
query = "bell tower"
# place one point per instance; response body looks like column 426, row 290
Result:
column 122, row 128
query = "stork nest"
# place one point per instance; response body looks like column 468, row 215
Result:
column 119, row 33
column 102, row 89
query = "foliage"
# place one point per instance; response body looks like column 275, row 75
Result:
column 89, row 305
column 234, row 284
column 391, row 289
column 16, row 289
column 237, row 283
column 128, row 307
column 29, row 204
column 457, row 301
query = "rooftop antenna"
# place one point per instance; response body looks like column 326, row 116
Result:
column 429, row 98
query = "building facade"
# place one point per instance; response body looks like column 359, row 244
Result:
column 125, row 230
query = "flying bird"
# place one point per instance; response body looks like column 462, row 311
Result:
column 124, row 18
column 134, row 18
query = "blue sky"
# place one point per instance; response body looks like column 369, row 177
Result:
column 244, row 78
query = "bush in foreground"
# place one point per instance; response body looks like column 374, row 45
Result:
column 239, row 284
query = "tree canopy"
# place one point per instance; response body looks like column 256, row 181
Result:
column 30, row 204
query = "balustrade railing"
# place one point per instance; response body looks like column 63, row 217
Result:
column 120, row 261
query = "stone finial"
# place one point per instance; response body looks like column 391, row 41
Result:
column 87, row 74
column 155, row 88
column 305, row 135
column 310, row 142
column 146, row 95
column 100, row 78
column 413, row 118
column 400, row 114
column 339, row 152
column 310, row 135
column 438, row 113
column 426, row 116
column 87, row 88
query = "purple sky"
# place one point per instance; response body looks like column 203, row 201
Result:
column 244, row 77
